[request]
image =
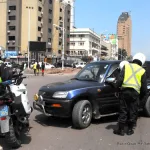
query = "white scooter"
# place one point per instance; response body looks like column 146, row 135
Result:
column 15, row 110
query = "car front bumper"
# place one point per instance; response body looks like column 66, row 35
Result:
column 47, row 109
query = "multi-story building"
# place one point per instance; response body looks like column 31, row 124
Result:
column 3, row 24
column 61, row 13
column 33, row 20
column 84, row 42
column 124, row 32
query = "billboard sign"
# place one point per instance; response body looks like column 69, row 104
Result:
column 10, row 54
column 37, row 46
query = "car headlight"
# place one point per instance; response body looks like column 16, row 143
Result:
column 60, row 94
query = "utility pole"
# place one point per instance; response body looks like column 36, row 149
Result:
column 29, row 19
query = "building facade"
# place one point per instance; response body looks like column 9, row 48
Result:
column 33, row 20
column 124, row 32
column 61, row 13
column 84, row 42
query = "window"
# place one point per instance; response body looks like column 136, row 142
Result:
column 72, row 43
column 68, row 35
column 60, row 35
column 94, row 72
column 49, row 39
column 60, row 9
column 49, row 49
column 50, row 11
column 59, row 51
column 12, row 28
column 50, row 20
column 81, row 35
column 11, row 38
column 40, row 8
column 11, row 48
column 12, row 7
column 39, row 18
column 39, row 28
column 50, row 1
column 81, row 43
column 68, row 20
column 60, row 18
column 113, row 72
column 39, row 39
column 68, row 28
column 72, row 35
column 12, row 17
column 59, row 43
column 68, row 11
column 49, row 30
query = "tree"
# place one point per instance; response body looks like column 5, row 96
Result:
column 122, row 54
column 130, row 57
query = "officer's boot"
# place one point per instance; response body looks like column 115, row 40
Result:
column 130, row 128
column 120, row 130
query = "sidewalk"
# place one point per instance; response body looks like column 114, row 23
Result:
column 56, row 71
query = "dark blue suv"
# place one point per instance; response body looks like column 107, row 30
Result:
column 75, row 98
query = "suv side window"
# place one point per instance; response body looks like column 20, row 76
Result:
column 113, row 72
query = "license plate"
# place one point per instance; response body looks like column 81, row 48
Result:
column 3, row 111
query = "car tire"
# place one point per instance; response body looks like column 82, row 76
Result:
column 11, row 138
column 82, row 114
column 147, row 107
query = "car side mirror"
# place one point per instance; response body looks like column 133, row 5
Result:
column 110, row 80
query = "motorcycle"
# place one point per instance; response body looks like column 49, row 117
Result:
column 15, row 110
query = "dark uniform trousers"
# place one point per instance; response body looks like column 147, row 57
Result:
column 129, row 104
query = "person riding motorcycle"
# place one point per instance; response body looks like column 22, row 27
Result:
column 133, row 86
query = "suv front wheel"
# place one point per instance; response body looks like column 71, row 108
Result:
column 82, row 114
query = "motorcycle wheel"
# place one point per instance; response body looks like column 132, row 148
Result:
column 12, row 138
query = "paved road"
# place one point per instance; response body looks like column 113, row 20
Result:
column 58, row 134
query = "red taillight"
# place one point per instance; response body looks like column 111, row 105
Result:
column 3, row 118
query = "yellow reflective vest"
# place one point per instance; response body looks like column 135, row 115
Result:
column 132, row 76
column 0, row 80
column 34, row 66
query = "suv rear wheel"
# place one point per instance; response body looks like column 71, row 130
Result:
column 82, row 114
column 147, row 107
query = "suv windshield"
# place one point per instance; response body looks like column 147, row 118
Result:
column 93, row 72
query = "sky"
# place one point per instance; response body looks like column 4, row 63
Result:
column 102, row 15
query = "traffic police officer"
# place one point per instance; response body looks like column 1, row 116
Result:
column 132, row 82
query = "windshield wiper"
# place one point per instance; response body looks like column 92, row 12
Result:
column 74, row 79
column 89, row 80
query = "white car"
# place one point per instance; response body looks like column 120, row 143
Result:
column 80, row 64
column 8, row 64
column 49, row 66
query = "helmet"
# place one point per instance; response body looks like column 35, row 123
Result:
column 141, row 57
column 121, row 65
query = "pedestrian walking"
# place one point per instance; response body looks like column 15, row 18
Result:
column 38, row 68
column 133, row 86
column 43, row 68
column 34, row 68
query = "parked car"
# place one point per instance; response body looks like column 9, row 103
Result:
column 74, row 98
column 8, row 64
column 80, row 64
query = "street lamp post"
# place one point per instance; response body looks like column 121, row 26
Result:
column 29, row 16
column 63, row 29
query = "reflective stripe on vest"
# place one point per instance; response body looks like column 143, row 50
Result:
column 0, row 80
column 132, row 77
